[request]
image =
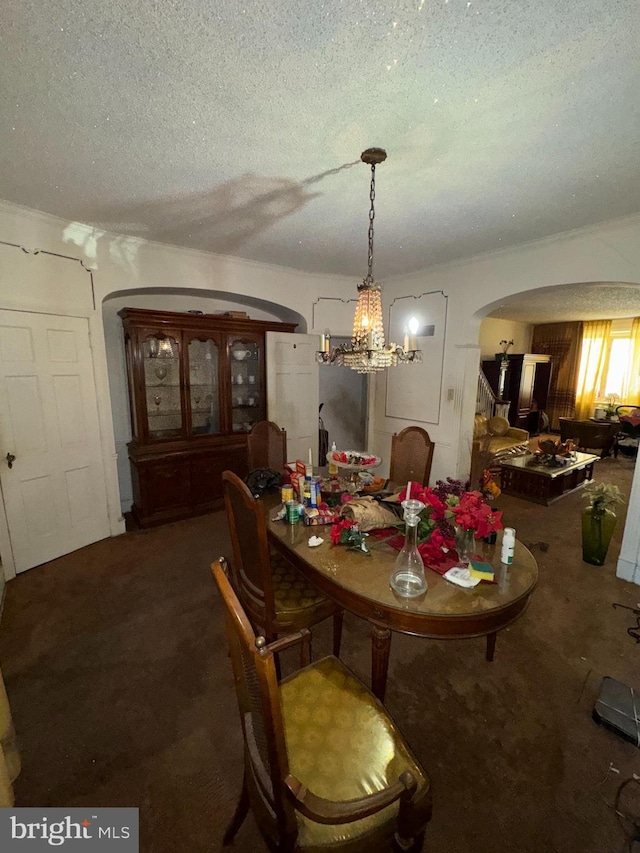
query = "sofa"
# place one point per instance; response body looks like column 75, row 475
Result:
column 493, row 439
column 497, row 437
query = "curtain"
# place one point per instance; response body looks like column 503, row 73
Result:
column 560, row 341
column 593, row 365
column 631, row 393
column 9, row 755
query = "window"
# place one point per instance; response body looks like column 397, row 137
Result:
column 606, row 360
column 617, row 373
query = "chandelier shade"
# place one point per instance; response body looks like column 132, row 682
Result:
column 368, row 351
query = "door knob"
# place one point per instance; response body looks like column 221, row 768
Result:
column 10, row 459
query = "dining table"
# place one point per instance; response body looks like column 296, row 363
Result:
column 359, row 583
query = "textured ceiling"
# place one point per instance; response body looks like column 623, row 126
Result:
column 222, row 125
column 592, row 301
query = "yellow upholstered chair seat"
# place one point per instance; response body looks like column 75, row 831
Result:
column 291, row 590
column 342, row 745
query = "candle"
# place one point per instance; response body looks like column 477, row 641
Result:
column 370, row 340
column 405, row 341
column 408, row 495
column 413, row 343
column 327, row 340
column 323, row 343
column 310, row 457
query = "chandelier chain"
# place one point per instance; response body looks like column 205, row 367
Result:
column 372, row 213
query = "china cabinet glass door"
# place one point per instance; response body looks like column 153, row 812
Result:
column 204, row 394
column 161, row 357
column 247, row 392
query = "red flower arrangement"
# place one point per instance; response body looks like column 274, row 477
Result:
column 447, row 506
column 346, row 532
column 337, row 530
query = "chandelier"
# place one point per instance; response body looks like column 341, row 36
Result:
column 367, row 352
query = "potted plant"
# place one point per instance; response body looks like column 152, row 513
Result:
column 610, row 409
column 599, row 521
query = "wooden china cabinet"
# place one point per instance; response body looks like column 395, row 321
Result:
column 196, row 387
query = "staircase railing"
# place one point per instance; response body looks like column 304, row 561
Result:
column 487, row 403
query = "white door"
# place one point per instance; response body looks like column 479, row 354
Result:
column 292, row 391
column 51, row 468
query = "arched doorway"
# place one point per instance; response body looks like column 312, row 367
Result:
column 514, row 317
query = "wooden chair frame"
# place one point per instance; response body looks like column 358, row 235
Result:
column 268, row 787
column 411, row 456
column 252, row 575
column 267, row 446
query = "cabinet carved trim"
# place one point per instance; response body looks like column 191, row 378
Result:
column 197, row 384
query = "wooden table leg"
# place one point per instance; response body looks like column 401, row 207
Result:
column 491, row 646
column 380, row 648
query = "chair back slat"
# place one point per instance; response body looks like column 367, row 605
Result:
column 251, row 563
column 267, row 446
column 411, row 456
column 259, row 704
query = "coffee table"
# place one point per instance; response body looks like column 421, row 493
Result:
column 526, row 477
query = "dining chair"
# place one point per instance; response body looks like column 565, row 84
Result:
column 325, row 767
column 411, row 456
column 277, row 598
column 267, row 446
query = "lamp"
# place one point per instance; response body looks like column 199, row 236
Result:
column 368, row 352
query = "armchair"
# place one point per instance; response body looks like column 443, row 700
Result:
column 493, row 439
column 499, row 437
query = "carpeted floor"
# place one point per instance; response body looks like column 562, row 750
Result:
column 116, row 667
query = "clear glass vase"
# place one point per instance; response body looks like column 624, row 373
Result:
column 408, row 578
column 597, row 530
column 464, row 545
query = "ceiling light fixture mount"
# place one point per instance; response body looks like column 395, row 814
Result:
column 368, row 352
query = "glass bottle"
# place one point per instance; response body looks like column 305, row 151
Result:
column 333, row 468
column 408, row 578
